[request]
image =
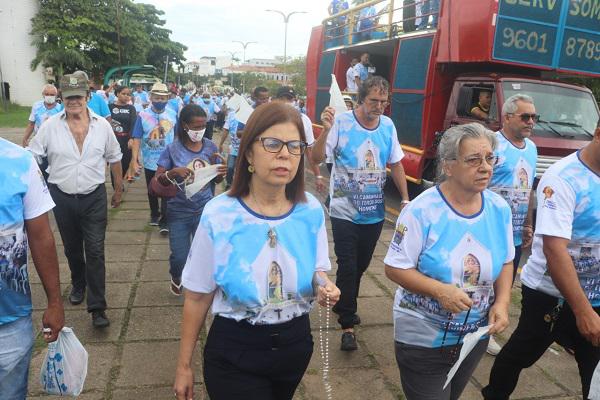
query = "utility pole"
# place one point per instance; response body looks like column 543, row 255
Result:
column 286, row 19
column 166, row 69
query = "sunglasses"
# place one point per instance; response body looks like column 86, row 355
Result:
column 274, row 145
column 525, row 117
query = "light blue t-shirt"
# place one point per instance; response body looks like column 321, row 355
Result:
column 39, row 113
column 262, row 268
column 175, row 104
column 24, row 196
column 466, row 251
column 568, row 206
column 98, row 105
column 361, row 71
column 359, row 156
column 177, row 155
column 140, row 98
column 209, row 108
column 232, row 125
column 156, row 131
column 513, row 177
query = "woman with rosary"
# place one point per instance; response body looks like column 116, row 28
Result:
column 259, row 258
column 452, row 256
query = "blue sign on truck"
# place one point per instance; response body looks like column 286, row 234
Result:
column 559, row 34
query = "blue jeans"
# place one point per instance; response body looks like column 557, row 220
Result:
column 429, row 7
column 182, row 227
column 16, row 343
column 230, row 168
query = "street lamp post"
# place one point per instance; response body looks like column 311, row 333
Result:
column 232, row 53
column 244, row 45
column 286, row 19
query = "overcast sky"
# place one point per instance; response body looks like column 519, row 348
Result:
column 208, row 28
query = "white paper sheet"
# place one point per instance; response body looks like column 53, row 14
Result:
column 469, row 343
column 241, row 107
column 595, row 385
column 336, row 100
column 201, row 177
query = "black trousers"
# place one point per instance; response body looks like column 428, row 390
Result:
column 210, row 125
column 82, row 221
column 516, row 261
column 256, row 362
column 354, row 245
column 125, row 160
column 531, row 339
column 153, row 201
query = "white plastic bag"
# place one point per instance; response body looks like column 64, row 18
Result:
column 65, row 366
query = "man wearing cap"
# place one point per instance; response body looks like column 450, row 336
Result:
column 286, row 94
column 96, row 102
column 153, row 131
column 78, row 143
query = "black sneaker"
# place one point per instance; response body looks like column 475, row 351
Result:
column 164, row 231
column 99, row 319
column 348, row 342
column 153, row 221
column 76, row 296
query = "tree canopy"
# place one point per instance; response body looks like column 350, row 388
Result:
column 96, row 35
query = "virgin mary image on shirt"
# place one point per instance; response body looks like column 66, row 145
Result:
column 275, row 283
column 471, row 270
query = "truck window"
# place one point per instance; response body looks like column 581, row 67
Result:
column 477, row 102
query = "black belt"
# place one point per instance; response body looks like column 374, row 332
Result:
column 76, row 195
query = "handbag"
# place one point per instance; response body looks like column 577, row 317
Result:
column 157, row 189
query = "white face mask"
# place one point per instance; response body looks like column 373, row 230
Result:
column 49, row 99
column 196, row 136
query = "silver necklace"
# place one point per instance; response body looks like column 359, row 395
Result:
column 272, row 234
column 324, row 347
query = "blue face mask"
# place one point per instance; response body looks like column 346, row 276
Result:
column 159, row 105
column 206, row 101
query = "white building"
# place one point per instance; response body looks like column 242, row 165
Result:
column 262, row 62
column 16, row 52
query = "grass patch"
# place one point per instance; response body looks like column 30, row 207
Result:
column 14, row 116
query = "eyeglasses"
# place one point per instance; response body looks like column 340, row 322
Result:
column 274, row 145
column 476, row 161
column 374, row 102
column 525, row 117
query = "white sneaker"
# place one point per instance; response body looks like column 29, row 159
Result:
column 493, row 347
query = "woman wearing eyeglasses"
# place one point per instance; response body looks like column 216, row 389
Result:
column 178, row 164
column 452, row 256
column 256, row 253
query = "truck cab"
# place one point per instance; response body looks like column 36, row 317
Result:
column 438, row 62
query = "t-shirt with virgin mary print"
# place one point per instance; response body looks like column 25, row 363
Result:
column 262, row 268
column 358, row 175
column 466, row 251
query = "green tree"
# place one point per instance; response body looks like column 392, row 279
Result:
column 97, row 34
column 296, row 68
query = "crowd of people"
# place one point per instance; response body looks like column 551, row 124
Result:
column 257, row 255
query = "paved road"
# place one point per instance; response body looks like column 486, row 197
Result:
column 135, row 357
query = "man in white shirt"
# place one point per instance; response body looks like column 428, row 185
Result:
column 350, row 82
column 78, row 144
column 287, row 95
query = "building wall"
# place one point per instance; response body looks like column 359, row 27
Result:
column 16, row 51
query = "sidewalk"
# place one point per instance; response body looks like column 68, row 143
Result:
column 135, row 357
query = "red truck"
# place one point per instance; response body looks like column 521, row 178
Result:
column 465, row 46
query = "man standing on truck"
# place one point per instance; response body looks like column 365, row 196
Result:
column 514, row 173
column 361, row 70
column 561, row 294
column 359, row 143
column 350, row 82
